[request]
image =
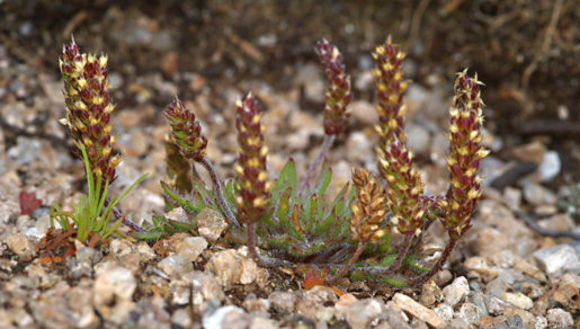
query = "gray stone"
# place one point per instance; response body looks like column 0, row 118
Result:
column 316, row 303
column 21, row 246
column 364, row 112
column 204, row 289
column 430, row 294
column 540, row 322
column 181, row 318
column 256, row 305
column 396, row 318
column 477, row 298
column 231, row 267
column 309, row 76
column 559, row 319
column 512, row 322
column 550, row 166
column 481, row 267
column 341, row 307
column 82, row 313
column 418, row 324
column 567, row 291
column 469, row 312
column 179, row 215
column 537, row 194
column 259, row 322
column 191, row 247
column 519, row 300
column 113, row 292
column 81, row 265
column 211, row 224
column 457, row 324
column 419, row 139
column 364, row 313
column 227, row 317
column 557, row 260
column 175, row 266
column 526, row 317
column 26, row 150
column 419, row 311
column 282, row 301
column 495, row 305
column 50, row 307
column 444, row 311
column 456, row 291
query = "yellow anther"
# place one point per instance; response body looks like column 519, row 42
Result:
column 262, row 176
column 239, row 170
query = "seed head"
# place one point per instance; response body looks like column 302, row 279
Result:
column 405, row 191
column 390, row 89
column 368, row 212
column 251, row 167
column 88, row 108
column 185, row 131
column 338, row 92
column 465, row 152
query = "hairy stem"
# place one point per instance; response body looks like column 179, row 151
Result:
column 124, row 220
column 261, row 261
column 359, row 249
column 436, row 267
column 395, row 265
column 251, row 241
column 326, row 145
column 217, row 183
column 379, row 270
column 403, row 250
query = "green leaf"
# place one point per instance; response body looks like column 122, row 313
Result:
column 187, row 206
column 323, row 179
column 287, row 178
column 394, row 280
column 231, row 191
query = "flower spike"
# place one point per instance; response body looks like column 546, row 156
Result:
column 369, row 209
column 88, row 108
column 251, row 168
column 390, row 89
column 465, row 152
column 338, row 92
column 185, row 131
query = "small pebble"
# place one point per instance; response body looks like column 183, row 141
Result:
column 557, row 260
column 282, row 301
column 211, row 224
column 364, row 313
column 21, row 246
column 175, row 266
column 419, row 311
column 456, row 291
column 519, row 300
column 558, row 318
column 550, row 166
column 227, row 317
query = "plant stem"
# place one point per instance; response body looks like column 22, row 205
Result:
column 326, row 145
column 396, row 264
column 261, row 261
column 217, row 183
column 436, row 267
column 333, row 279
column 379, row 270
column 251, row 241
column 124, row 220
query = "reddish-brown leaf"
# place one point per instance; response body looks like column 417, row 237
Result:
column 28, row 202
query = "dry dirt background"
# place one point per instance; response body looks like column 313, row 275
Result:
column 210, row 53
